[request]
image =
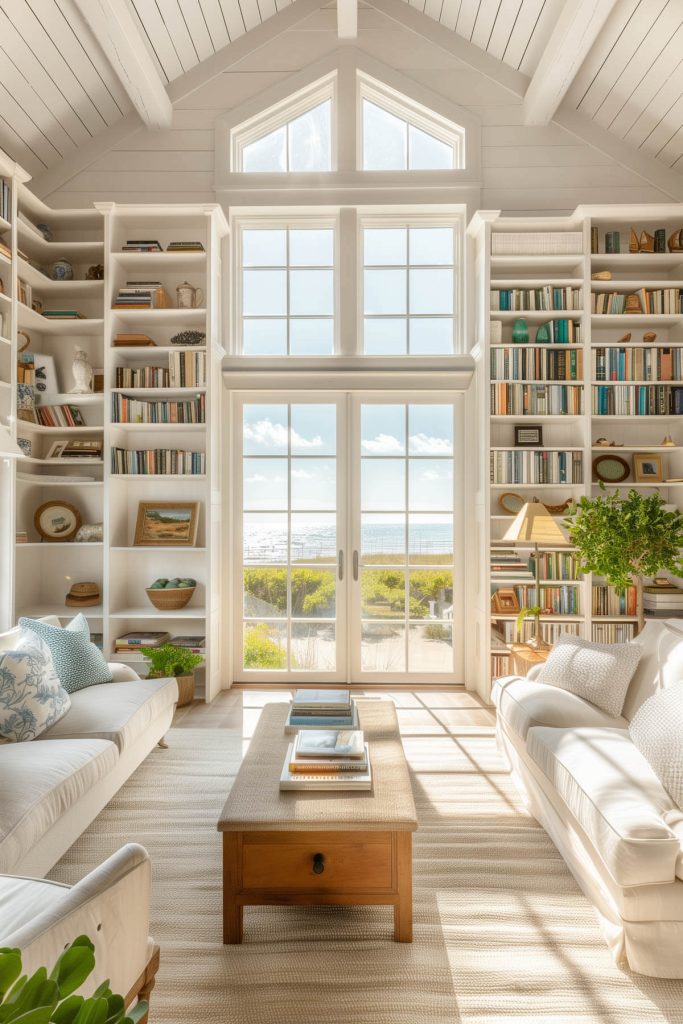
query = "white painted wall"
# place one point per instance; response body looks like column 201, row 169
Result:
column 524, row 169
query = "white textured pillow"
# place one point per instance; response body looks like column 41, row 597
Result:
column 31, row 695
column 657, row 731
column 600, row 673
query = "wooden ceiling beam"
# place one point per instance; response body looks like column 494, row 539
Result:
column 575, row 32
column 347, row 19
column 116, row 30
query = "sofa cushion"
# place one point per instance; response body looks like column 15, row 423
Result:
column 661, row 662
column 40, row 783
column 119, row 712
column 77, row 661
column 31, row 696
column 599, row 673
column 614, row 795
column 657, row 731
column 523, row 703
column 23, row 899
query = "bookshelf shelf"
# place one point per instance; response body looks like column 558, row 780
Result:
column 163, row 262
column 636, row 261
column 621, row 320
column 37, row 428
column 150, row 612
column 536, row 316
column 44, row 285
column 33, row 321
column 161, row 317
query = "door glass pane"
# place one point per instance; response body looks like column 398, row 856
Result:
column 265, row 484
column 430, row 430
column 313, row 593
column 383, row 485
column 264, row 537
column 430, row 647
column 383, row 430
column 314, row 537
column 382, row 538
column 265, row 593
column 431, row 485
column 383, row 593
column 383, row 647
column 264, row 430
column 314, row 484
column 265, row 645
column 314, row 647
column 430, row 539
column 314, row 429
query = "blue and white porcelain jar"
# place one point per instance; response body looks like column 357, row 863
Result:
column 62, row 270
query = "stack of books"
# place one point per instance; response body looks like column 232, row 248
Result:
column 134, row 641
column 663, row 602
column 506, row 564
column 196, row 644
column 157, row 461
column 141, row 245
column 316, row 709
column 63, row 314
column 327, row 759
column 184, row 247
column 60, row 416
column 142, row 295
column 127, row 409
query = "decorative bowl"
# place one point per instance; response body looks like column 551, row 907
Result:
column 170, row 600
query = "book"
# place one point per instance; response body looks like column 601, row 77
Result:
column 193, row 643
column 326, row 780
column 295, row 723
column 153, row 638
column 326, row 700
column 330, row 743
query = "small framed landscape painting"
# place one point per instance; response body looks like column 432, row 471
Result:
column 167, row 523
column 647, row 469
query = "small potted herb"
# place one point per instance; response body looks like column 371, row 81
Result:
column 168, row 660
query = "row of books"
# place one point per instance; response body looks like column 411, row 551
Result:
column 520, row 363
column 185, row 370
column 153, row 245
column 546, row 297
column 125, row 409
column 536, row 400
column 637, row 400
column 506, row 563
column 506, row 632
column 5, row 200
column 656, row 364
column 156, row 461
column 613, row 632
column 536, row 467
column 142, row 295
column 59, row 416
column 644, row 300
column 555, row 600
column 608, row 601
column 663, row 602
column 134, row 641
column 556, row 565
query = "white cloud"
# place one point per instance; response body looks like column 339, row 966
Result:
column 274, row 435
column 383, row 444
column 432, row 474
column 255, row 479
column 303, row 474
column 422, row 444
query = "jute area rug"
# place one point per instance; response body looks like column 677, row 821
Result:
column 502, row 932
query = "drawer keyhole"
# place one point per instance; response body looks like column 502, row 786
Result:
column 318, row 863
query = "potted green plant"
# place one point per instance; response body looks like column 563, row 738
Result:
column 169, row 660
column 43, row 998
column 624, row 538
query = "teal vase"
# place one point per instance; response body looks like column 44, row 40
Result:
column 543, row 334
column 520, row 332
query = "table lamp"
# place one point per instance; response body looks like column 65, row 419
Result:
column 535, row 526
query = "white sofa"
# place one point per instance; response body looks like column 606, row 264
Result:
column 602, row 804
column 53, row 787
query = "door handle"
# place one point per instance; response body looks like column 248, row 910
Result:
column 340, row 565
column 355, row 565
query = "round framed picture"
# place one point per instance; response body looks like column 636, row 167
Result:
column 611, row 469
column 57, row 521
column 511, row 502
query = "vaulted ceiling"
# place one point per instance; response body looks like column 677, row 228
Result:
column 58, row 90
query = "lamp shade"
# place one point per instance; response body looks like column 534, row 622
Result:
column 9, row 449
column 533, row 524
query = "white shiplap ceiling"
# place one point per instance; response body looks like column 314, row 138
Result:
column 58, row 90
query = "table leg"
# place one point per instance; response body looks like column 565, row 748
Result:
column 232, row 910
column 403, row 910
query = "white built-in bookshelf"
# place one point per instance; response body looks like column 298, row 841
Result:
column 593, row 385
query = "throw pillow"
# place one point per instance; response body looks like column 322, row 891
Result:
column 77, row 661
column 31, row 696
column 600, row 673
column 657, row 731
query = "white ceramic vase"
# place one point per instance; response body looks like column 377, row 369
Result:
column 82, row 374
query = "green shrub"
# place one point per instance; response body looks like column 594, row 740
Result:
column 261, row 650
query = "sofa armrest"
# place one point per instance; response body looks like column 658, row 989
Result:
column 534, row 672
column 111, row 907
column 121, row 673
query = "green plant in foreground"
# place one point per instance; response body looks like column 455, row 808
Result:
column 626, row 537
column 168, row 660
column 526, row 613
column 44, row 998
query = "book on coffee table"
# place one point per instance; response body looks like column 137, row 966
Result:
column 324, row 778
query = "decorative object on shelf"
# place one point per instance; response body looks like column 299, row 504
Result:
column 189, row 297
column 9, row 448
column 624, row 537
column 625, row 338
column 45, row 231
column 83, row 595
column 531, row 435
column 189, row 338
column 668, row 442
column 649, row 337
column 611, row 469
column 520, row 332
column 169, row 660
column 171, row 595
column 543, row 334
column 632, row 304
column 602, row 275
column 82, row 373
column 661, row 581
column 167, row 523
column 496, row 332
column 675, row 241
column 76, row 448
column 89, row 533
column 62, row 270
column 603, row 442
column 132, row 340
column 95, row 272
column 504, row 601
column 26, row 445
column 648, row 468
column 511, row 502
column 185, row 247
column 26, row 403
column 557, row 510
column 57, row 521
column 27, row 342
column 644, row 243
column 535, row 525
column 46, row 375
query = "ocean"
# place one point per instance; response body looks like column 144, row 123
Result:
column 267, row 543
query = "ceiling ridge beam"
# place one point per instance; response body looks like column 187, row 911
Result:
column 575, row 33
column 118, row 33
column 347, row 19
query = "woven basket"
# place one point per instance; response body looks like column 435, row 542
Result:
column 170, row 600
column 185, row 689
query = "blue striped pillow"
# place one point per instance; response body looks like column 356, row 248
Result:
column 77, row 661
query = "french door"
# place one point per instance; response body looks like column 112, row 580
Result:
column 347, row 539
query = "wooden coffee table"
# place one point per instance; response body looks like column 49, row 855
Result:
column 292, row 848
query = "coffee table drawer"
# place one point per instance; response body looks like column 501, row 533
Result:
column 319, row 861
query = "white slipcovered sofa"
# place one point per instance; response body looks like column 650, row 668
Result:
column 602, row 804
column 52, row 787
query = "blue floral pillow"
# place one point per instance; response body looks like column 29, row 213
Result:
column 31, row 696
column 77, row 661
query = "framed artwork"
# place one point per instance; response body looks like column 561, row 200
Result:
column 531, row 435
column 611, row 469
column 56, row 449
column 26, row 403
column 57, row 521
column 648, row 469
column 167, row 522
column 46, row 374
column 505, row 602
